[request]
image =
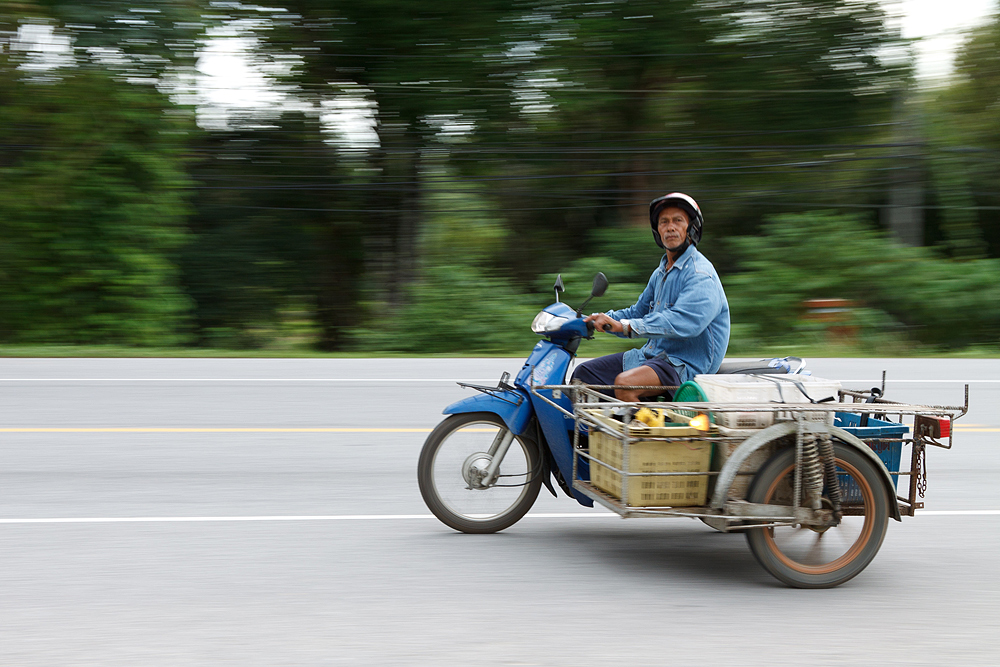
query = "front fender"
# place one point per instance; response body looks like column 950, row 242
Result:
column 728, row 473
column 516, row 417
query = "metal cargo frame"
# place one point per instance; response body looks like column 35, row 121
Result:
column 735, row 513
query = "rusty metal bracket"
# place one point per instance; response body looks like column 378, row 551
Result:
column 918, row 475
column 928, row 429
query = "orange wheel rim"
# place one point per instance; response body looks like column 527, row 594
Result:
column 868, row 499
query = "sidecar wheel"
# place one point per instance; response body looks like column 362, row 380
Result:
column 461, row 443
column 806, row 558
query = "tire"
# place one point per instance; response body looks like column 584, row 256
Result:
column 464, row 440
column 806, row 558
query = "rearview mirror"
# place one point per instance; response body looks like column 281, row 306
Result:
column 600, row 285
column 559, row 286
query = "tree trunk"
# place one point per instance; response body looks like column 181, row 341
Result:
column 341, row 267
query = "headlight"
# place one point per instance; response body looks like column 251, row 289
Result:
column 545, row 322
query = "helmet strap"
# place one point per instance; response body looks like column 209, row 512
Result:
column 679, row 250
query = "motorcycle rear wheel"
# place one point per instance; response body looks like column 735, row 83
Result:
column 463, row 441
column 804, row 557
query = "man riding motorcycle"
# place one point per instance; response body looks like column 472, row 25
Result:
column 683, row 312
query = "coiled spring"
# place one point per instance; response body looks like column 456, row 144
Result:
column 830, row 473
column 812, row 472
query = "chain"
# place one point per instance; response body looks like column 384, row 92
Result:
column 921, row 472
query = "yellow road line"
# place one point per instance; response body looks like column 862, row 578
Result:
column 219, row 430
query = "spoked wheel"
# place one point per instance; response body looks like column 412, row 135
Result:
column 821, row 557
column 452, row 468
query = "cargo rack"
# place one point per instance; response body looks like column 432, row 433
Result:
column 931, row 426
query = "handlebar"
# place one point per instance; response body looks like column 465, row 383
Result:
column 591, row 328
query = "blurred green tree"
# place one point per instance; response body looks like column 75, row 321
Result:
column 962, row 122
column 140, row 42
column 573, row 115
column 751, row 106
column 398, row 56
column 92, row 207
column 92, row 184
column 512, row 142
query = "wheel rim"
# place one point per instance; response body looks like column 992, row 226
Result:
column 465, row 446
column 811, row 552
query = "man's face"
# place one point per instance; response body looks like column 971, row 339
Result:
column 672, row 225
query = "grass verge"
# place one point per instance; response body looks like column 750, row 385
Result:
column 588, row 349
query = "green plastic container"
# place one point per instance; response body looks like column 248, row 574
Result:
column 691, row 392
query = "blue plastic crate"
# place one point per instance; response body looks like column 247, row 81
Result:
column 888, row 450
column 876, row 428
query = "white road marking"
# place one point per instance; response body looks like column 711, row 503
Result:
column 210, row 429
column 329, row 517
column 390, row 380
column 195, row 519
column 378, row 517
column 958, row 512
column 242, row 380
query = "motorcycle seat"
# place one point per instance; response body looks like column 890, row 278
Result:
column 743, row 367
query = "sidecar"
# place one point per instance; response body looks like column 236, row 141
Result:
column 813, row 484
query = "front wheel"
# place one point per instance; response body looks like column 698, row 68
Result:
column 451, row 467
column 821, row 557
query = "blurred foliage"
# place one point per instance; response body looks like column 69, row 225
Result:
column 578, row 280
column 626, row 284
column 253, row 251
column 91, row 207
column 410, row 177
column 741, row 102
column 137, row 43
column 963, row 127
column 896, row 290
column 456, row 309
column 94, row 192
column 459, row 301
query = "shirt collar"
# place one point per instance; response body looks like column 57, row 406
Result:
column 679, row 263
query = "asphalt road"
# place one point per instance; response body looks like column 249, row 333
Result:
column 167, row 512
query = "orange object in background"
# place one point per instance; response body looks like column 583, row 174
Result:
column 837, row 314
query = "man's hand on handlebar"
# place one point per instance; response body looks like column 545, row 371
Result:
column 604, row 323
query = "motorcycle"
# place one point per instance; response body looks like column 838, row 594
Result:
column 459, row 470
column 818, row 465
column 482, row 468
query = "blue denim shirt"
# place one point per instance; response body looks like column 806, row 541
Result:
column 684, row 314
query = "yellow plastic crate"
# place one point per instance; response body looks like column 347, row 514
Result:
column 651, row 456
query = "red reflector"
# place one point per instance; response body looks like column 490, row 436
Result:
column 945, row 428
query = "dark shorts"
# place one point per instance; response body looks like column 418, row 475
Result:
column 604, row 370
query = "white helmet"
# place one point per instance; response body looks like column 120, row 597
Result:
column 687, row 204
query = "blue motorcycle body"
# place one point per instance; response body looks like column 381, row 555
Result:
column 520, row 409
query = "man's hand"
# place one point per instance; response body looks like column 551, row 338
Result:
column 600, row 320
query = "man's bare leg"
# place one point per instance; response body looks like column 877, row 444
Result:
column 641, row 376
